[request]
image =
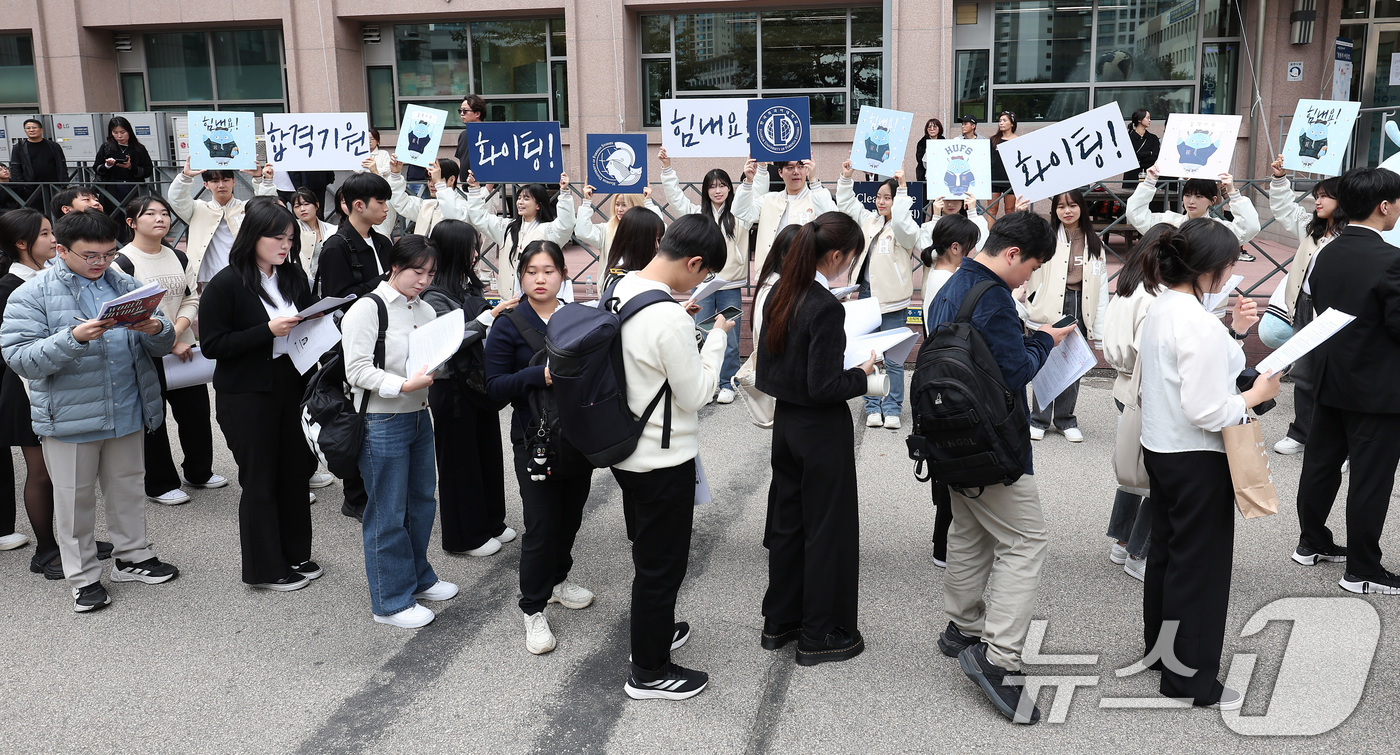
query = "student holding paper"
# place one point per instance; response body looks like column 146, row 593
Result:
column 245, row 314
column 443, row 200
column 884, row 269
column 148, row 260
column 538, row 217
column 396, row 461
column 812, row 533
column 802, row 199
column 1357, row 411
column 1189, row 365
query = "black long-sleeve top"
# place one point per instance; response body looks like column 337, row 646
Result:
column 810, row 371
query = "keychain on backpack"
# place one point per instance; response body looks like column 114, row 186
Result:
column 538, row 464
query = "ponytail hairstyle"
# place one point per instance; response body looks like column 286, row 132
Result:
column 725, row 219
column 265, row 217
column 25, row 224
column 831, row 231
column 1201, row 247
column 1137, row 117
column 1320, row 227
column 1093, row 245
column 950, row 230
column 635, row 243
column 1130, row 275
column 459, row 247
column 778, row 252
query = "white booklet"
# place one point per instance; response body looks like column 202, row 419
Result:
column 182, row 374
column 1323, row 327
column 1067, row 363
column 862, row 317
column 1216, row 301
column 330, row 302
column 895, row 344
column 433, row 344
column 308, row 342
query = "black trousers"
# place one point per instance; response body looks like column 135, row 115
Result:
column 1188, row 566
column 471, row 473
column 1303, row 375
column 813, row 529
column 943, row 500
column 659, row 507
column 190, row 407
column 274, row 465
column 1373, row 443
column 553, row 512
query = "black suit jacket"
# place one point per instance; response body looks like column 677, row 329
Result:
column 810, row 371
column 233, row 331
column 1359, row 274
column 21, row 171
column 345, row 253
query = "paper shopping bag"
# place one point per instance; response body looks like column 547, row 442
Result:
column 1249, row 470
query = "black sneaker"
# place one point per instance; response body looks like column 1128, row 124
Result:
column 152, row 571
column 953, row 641
column 1387, row 584
column 672, row 682
column 91, row 598
column 1309, row 556
column 1010, row 699
column 308, row 569
column 778, row 635
column 354, row 512
column 104, row 550
column 48, row 564
column 292, row 581
column 840, row 645
column 679, row 636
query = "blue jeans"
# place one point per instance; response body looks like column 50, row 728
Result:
column 400, row 478
column 890, row 405
column 732, row 297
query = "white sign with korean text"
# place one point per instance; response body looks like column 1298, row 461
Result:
column 1198, row 146
column 705, row 128
column 1089, row 147
column 316, row 141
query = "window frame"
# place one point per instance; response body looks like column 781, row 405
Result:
column 217, row 103
column 27, row 107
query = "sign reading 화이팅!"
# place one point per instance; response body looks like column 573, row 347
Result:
column 1089, row 147
column 523, row 152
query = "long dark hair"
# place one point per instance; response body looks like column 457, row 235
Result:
column 830, row 231
column 1182, row 255
column 545, row 214
column 726, row 218
column 1319, row 227
column 951, row 229
column 778, row 252
column 139, row 204
column 997, row 138
column 266, row 218
column 638, row 234
column 1130, row 275
column 118, row 120
column 1092, row 244
column 413, row 251
column 25, row 225
column 459, row 247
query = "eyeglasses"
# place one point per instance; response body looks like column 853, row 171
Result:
column 93, row 259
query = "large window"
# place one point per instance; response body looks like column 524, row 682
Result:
column 518, row 66
column 832, row 55
column 19, row 87
column 1052, row 60
column 217, row 70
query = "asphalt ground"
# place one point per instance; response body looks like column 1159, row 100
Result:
column 205, row 664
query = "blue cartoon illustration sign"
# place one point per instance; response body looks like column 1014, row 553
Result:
column 1198, row 146
column 519, row 152
column 1318, row 136
column 959, row 168
column 780, row 129
column 882, row 138
column 419, row 135
column 224, row 140
column 617, row 163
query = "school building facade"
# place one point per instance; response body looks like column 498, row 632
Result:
column 603, row 65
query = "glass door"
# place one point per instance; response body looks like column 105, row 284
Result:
column 1382, row 41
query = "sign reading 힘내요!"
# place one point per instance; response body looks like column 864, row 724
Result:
column 705, row 128
column 222, row 140
column 1317, row 137
column 1198, row 146
column 882, row 138
column 959, row 168
column 316, row 141
column 523, row 152
column 780, row 129
column 1089, row 147
column 617, row 163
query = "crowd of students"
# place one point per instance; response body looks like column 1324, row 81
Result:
column 85, row 400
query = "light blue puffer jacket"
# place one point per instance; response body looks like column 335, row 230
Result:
column 69, row 392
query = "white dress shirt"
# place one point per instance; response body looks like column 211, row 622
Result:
column 1189, row 366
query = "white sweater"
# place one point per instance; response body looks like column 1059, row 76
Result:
column 1189, row 365
column 359, row 330
column 658, row 346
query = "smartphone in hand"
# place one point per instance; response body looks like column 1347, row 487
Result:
column 1066, row 322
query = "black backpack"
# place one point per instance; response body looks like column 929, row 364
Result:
column 590, row 384
column 334, row 429
column 968, row 427
column 544, row 435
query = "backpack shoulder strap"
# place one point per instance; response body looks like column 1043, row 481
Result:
column 378, row 345
column 969, row 303
column 642, row 301
column 127, row 266
column 526, row 330
column 183, row 258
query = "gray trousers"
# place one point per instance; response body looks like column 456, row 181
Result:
column 76, row 468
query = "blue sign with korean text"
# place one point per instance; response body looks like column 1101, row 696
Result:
column 780, row 129
column 524, row 152
column 866, row 191
column 617, row 163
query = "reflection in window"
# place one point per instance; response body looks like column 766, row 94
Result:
column 1041, row 104
column 1221, row 18
column 510, row 57
column 1145, row 40
column 1037, row 43
column 177, row 65
column 18, row 83
column 971, row 84
column 804, row 49
column 1219, row 62
column 866, row 70
column 716, row 51
column 248, row 64
column 1159, row 101
column 432, row 59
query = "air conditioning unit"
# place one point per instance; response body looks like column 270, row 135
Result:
column 122, row 42
column 369, row 34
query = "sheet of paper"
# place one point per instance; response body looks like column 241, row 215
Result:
column 433, row 344
column 1217, row 299
column 708, row 287
column 702, row 485
column 181, row 374
column 862, row 316
column 894, row 344
column 309, row 340
column 844, row 291
column 330, row 302
column 1067, row 363
column 1323, row 327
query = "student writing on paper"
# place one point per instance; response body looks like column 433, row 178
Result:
column 148, row 260
column 802, row 199
column 397, row 459
column 212, row 222
column 884, row 269
column 538, row 217
column 1189, row 366
column 1198, row 196
column 257, row 395
column 443, row 201
column 1356, row 414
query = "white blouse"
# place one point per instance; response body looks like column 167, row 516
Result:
column 1189, row 365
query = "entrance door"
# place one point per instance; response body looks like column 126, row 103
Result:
column 1382, row 41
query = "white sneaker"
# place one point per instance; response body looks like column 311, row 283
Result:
column 940, row 563
column 488, row 548
column 1229, row 700
column 442, row 590
column 570, row 595
column 1118, row 554
column 1073, row 435
column 1287, row 446
column 1037, row 433
column 726, row 395
column 313, row 497
column 13, row 540
column 409, row 618
column 506, row 535
column 170, row 498
column 214, row 481
column 1136, row 568
column 892, row 423
column 874, row 420
column 538, row 639
column 321, row 480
